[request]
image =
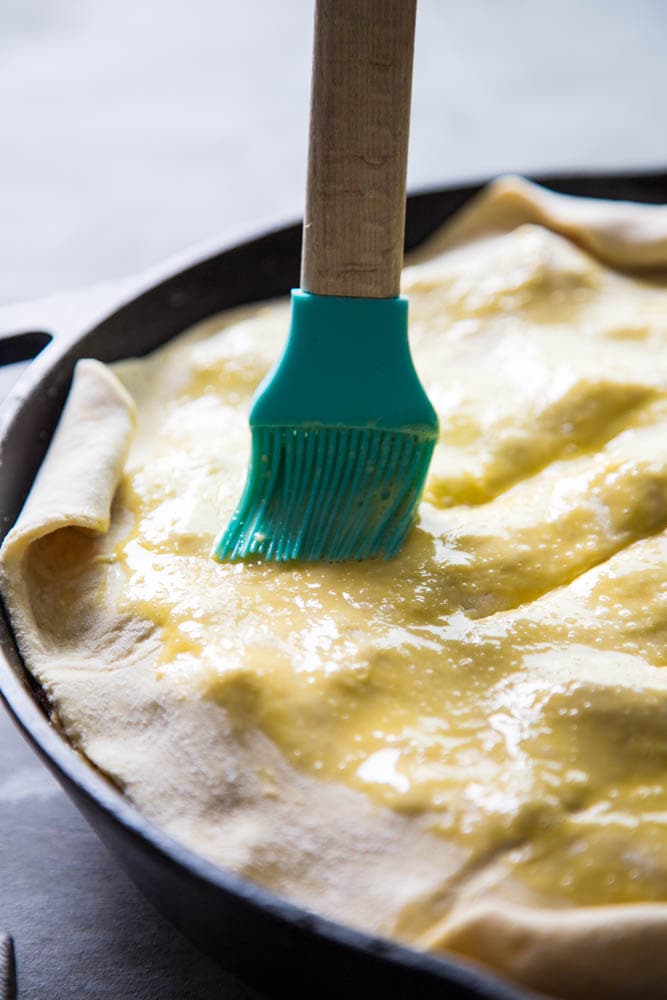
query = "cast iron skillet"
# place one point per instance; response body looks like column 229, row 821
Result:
column 274, row 945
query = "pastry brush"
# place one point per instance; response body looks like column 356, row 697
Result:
column 342, row 430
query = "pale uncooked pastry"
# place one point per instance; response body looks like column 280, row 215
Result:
column 463, row 748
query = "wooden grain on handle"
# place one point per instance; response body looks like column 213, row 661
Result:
column 360, row 114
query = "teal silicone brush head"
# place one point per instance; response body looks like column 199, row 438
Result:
column 327, row 494
column 342, row 438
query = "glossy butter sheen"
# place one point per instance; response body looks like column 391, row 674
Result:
column 503, row 675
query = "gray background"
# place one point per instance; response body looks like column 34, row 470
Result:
column 131, row 129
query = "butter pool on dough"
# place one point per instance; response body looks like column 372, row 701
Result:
column 465, row 747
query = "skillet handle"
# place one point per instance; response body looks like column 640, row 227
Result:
column 22, row 345
column 20, row 341
column 28, row 327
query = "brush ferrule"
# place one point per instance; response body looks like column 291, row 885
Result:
column 347, row 362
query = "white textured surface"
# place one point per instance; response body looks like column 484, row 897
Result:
column 130, row 130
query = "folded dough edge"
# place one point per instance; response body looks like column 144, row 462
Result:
column 77, row 480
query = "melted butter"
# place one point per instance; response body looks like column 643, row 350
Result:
column 503, row 675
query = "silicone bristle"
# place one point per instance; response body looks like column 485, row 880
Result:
column 328, row 494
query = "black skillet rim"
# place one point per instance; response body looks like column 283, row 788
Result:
column 21, row 694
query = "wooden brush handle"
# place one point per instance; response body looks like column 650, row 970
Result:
column 359, row 121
